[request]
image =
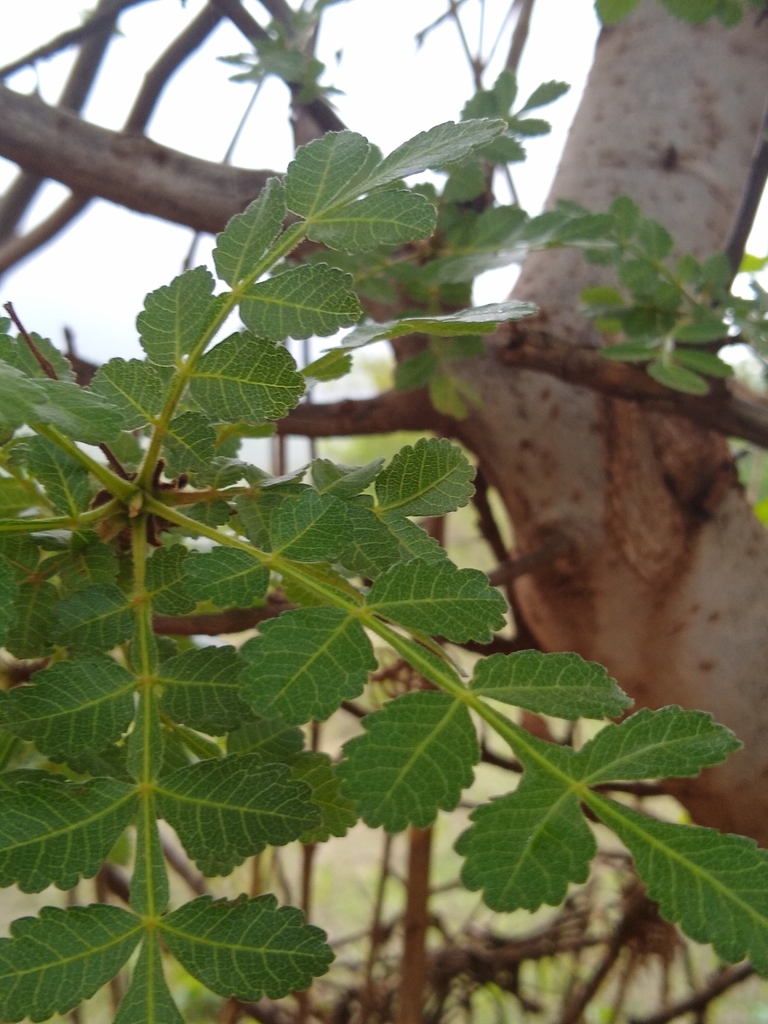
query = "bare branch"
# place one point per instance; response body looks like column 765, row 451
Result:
column 134, row 172
column 513, row 567
column 696, row 1003
column 519, row 36
column 392, row 410
column 720, row 410
column 15, row 248
column 241, row 19
column 233, row 620
column 750, row 200
column 486, row 520
column 181, row 866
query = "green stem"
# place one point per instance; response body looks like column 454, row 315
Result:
column 95, row 515
column 116, row 485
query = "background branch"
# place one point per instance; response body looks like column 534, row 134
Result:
column 392, row 410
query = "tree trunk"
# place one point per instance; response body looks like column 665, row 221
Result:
column 664, row 578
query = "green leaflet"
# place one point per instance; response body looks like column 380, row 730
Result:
column 225, row 809
column 256, row 513
column 270, row 738
column 429, row 478
column 166, row 582
column 8, row 593
column 668, row 743
column 714, row 885
column 413, row 542
column 148, row 1000
column 66, row 482
column 133, row 387
column 563, row 685
column 71, row 706
column 247, row 235
column 78, row 412
column 305, row 663
column 94, row 619
column 337, row 813
column 386, row 218
column 55, row 961
column 478, row 320
column 371, row 546
column 438, row 598
column 415, row 758
column 322, row 170
column 248, row 947
column 297, row 303
column 176, row 316
column 149, row 884
column 18, row 354
column 87, row 566
column 53, row 832
column 14, row 497
column 524, row 848
column 246, row 378
column 444, row 144
column 227, row 577
column 308, row 528
column 201, row 689
column 344, row 481
column 190, row 444
column 20, row 397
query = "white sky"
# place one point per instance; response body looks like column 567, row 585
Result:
column 94, row 277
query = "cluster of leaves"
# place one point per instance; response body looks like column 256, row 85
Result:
column 728, row 12
column 121, row 728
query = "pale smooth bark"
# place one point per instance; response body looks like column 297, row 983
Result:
column 664, row 580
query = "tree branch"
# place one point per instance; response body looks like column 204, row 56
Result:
column 232, row 620
column 392, row 410
column 720, row 410
column 15, row 248
column 750, row 200
column 700, row 1000
column 134, row 172
column 519, row 36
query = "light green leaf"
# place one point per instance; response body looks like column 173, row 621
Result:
column 695, row 11
column 190, row 444
column 344, row 481
column 20, row 397
column 297, row 303
column 715, row 886
column 612, row 11
column 322, row 171
column 654, row 238
column 338, row 813
column 17, row 353
column 524, row 848
column 545, row 94
column 245, row 378
column 415, row 758
column 270, row 738
column 15, row 497
column 305, row 663
column 445, row 144
column 677, row 377
column 148, row 1000
column 71, row 706
column 563, row 685
column 55, row 961
column 78, row 412
column 429, row 478
column 226, row 809
column 166, row 582
column 246, row 237
column 331, row 366
column 201, row 688
column 255, row 513
column 53, row 832
column 246, row 948
column 309, row 528
column 477, row 320
column 133, row 387
column 66, row 482
column 438, row 598
column 177, row 316
column 227, row 577
column 668, row 743
column 703, row 362
column 385, row 218
column 94, row 619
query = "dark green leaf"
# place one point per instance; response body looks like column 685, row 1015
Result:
column 201, row 688
column 94, row 619
column 344, row 481
column 66, row 482
column 226, row 577
column 429, row 478
column 246, row 237
column 385, row 218
column 338, row 813
column 166, row 582
column 29, row 635
column 331, row 366
column 309, row 528
column 190, row 444
column 78, row 412
column 148, row 1000
column 270, row 738
column 8, row 594
column 177, row 316
column 133, row 387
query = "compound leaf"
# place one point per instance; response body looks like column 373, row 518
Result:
column 306, row 300
column 322, row 170
column 148, row 1000
column 438, row 598
column 429, row 478
column 668, row 743
column 564, row 685
column 715, row 886
column 371, row 546
column 247, row 378
column 72, row 706
column 133, row 387
column 94, row 619
column 248, row 947
column 225, row 809
column 227, row 577
column 176, row 317
column 201, row 689
column 476, row 320
column 415, row 758
column 53, row 832
column 246, row 237
column 309, row 527
column 305, row 663
column 386, row 218
column 55, row 961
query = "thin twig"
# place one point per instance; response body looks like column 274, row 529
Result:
column 750, row 200
column 486, row 519
column 15, row 248
column 519, row 36
column 376, row 933
column 717, row 985
column 530, row 562
column 44, row 363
